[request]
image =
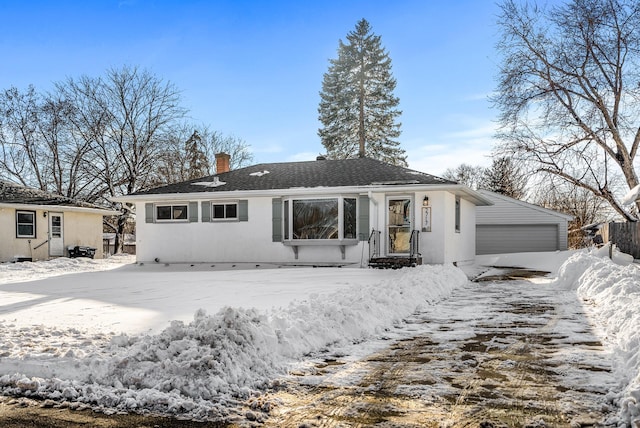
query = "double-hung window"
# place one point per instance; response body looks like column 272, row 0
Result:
column 320, row 218
column 177, row 212
column 25, row 224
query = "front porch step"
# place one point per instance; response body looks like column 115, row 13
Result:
column 394, row 262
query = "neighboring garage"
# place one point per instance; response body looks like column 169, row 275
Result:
column 513, row 226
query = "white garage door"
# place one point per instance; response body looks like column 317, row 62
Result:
column 516, row 238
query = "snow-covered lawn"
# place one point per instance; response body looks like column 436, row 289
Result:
column 196, row 340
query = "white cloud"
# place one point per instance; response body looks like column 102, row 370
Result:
column 471, row 145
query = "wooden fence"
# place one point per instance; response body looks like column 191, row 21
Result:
column 626, row 236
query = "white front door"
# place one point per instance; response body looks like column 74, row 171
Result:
column 398, row 225
column 56, row 234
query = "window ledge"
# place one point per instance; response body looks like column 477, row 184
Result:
column 340, row 243
column 320, row 242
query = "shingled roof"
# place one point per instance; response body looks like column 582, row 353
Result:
column 11, row 193
column 310, row 174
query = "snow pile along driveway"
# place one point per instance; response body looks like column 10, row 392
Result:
column 199, row 369
column 614, row 291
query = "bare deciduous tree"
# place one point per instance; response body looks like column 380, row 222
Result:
column 585, row 207
column 173, row 163
column 24, row 156
column 466, row 174
column 93, row 138
column 569, row 91
column 126, row 120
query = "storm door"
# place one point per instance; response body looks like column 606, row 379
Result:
column 398, row 225
column 56, row 234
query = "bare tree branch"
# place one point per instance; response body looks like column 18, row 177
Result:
column 569, row 88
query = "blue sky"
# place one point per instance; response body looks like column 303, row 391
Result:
column 253, row 69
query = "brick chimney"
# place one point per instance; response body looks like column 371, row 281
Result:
column 222, row 162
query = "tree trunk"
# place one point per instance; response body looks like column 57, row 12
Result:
column 118, row 243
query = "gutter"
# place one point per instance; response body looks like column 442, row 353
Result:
column 457, row 189
column 59, row 208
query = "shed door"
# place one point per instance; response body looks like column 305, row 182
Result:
column 56, row 234
column 516, row 238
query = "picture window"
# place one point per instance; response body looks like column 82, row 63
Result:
column 320, row 219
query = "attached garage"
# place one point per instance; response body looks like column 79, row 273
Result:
column 513, row 226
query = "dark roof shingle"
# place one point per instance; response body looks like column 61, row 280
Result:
column 11, row 193
column 309, row 174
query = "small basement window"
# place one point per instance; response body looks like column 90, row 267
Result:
column 25, row 224
column 171, row 212
column 226, row 211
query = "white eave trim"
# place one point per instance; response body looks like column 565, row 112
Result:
column 59, row 208
column 457, row 189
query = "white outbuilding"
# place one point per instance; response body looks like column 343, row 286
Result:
column 514, row 226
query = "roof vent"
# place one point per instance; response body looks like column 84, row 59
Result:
column 320, row 157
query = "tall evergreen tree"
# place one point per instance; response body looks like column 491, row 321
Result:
column 357, row 109
column 505, row 177
column 197, row 162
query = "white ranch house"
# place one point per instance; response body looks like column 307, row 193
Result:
column 323, row 212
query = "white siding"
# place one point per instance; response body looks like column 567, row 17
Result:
column 515, row 226
column 251, row 241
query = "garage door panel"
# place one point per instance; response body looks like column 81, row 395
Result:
column 495, row 239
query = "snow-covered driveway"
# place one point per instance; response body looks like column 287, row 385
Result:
column 508, row 353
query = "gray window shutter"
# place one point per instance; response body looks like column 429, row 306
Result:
column 243, row 210
column 363, row 218
column 148, row 213
column 193, row 212
column 206, row 211
column 276, row 217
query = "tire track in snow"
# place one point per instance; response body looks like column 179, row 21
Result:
column 499, row 354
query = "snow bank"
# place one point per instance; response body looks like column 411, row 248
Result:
column 549, row 261
column 200, row 369
column 30, row 271
column 614, row 290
